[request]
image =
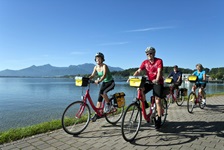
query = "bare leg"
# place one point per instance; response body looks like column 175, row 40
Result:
column 158, row 105
column 98, row 105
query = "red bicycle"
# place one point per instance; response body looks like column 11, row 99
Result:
column 76, row 116
column 175, row 96
column 193, row 98
column 132, row 117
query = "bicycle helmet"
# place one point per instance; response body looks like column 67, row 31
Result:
column 150, row 50
column 99, row 54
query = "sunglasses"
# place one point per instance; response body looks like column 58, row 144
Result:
column 149, row 53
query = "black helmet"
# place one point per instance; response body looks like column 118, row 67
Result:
column 99, row 54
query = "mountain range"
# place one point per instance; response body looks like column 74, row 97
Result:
column 52, row 71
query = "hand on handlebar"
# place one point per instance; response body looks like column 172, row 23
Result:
column 154, row 81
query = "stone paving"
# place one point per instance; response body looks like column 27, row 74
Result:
column 202, row 130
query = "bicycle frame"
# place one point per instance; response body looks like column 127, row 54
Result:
column 86, row 98
column 146, row 116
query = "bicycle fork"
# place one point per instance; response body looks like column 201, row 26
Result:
column 81, row 109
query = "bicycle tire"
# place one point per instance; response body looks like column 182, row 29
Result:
column 131, row 122
column 180, row 100
column 115, row 115
column 169, row 99
column 164, row 111
column 191, row 102
column 76, row 117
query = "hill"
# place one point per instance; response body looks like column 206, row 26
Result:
column 52, row 71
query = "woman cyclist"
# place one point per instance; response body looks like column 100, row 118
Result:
column 104, row 76
column 201, row 82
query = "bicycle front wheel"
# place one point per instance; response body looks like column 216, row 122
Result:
column 180, row 99
column 131, row 122
column 115, row 115
column 76, row 118
column 191, row 102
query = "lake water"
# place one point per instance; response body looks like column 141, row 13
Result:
column 29, row 101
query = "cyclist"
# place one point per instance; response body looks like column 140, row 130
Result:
column 104, row 76
column 177, row 79
column 153, row 67
column 201, row 82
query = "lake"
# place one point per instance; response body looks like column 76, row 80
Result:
column 29, row 101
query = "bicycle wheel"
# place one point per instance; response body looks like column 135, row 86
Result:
column 76, row 117
column 164, row 111
column 115, row 115
column 169, row 99
column 180, row 99
column 131, row 122
column 191, row 102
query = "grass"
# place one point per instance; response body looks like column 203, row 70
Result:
column 20, row 133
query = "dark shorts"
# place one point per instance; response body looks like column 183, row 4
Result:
column 176, row 85
column 203, row 85
column 157, row 89
column 105, row 87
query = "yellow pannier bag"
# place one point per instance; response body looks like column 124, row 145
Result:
column 81, row 81
column 192, row 78
column 168, row 80
column 136, row 81
column 119, row 99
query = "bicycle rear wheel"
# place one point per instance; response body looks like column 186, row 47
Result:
column 76, row 117
column 131, row 122
column 115, row 115
column 191, row 102
column 180, row 99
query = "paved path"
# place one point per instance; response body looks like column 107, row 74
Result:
column 202, row 130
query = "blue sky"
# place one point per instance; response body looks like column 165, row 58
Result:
column 71, row 32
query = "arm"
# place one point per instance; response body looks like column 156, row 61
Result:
column 137, row 72
column 158, row 76
column 179, row 77
column 93, row 73
column 204, row 77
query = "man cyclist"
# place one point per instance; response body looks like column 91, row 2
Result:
column 201, row 82
column 177, row 79
column 153, row 67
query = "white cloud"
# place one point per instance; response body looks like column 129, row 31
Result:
column 149, row 29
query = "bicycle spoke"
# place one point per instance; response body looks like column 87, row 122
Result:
column 76, row 118
column 131, row 122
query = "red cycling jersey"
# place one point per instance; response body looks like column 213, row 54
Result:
column 152, row 68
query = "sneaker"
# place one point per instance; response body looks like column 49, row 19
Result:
column 107, row 108
column 158, row 124
column 95, row 117
column 203, row 101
